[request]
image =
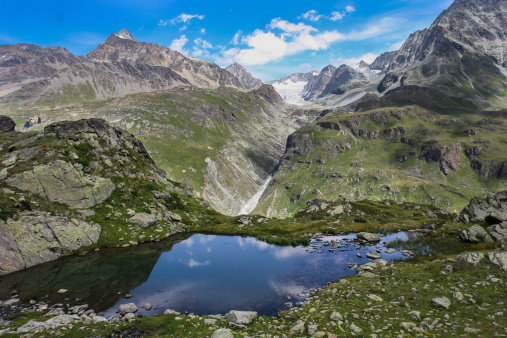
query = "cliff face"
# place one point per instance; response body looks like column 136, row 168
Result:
column 244, row 76
column 69, row 187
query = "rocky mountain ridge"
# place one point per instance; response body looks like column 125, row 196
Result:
column 121, row 65
column 244, row 76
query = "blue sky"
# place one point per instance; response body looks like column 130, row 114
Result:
column 271, row 38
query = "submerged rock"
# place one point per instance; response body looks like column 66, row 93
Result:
column 369, row 237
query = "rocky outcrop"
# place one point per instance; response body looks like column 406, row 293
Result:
column 60, row 181
column 447, row 157
column 244, row 76
column 6, row 124
column 34, row 237
column 491, row 209
column 475, row 234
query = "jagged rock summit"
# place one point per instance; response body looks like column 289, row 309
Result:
column 125, row 34
column 244, row 76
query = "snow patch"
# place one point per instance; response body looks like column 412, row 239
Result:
column 252, row 203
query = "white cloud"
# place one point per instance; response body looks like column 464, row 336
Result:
column 236, row 38
column 368, row 58
column 178, row 44
column 186, row 18
column 202, row 43
column 193, row 263
column 336, row 16
column 311, row 15
column 289, row 27
column 203, row 30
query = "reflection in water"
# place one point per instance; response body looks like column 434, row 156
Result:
column 197, row 273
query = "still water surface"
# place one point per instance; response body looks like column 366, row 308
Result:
column 201, row 274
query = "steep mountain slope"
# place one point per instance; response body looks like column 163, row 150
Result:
column 400, row 154
column 244, row 76
column 224, row 142
column 22, row 63
column 316, row 85
column 457, row 62
column 119, row 66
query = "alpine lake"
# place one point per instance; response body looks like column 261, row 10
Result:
column 197, row 273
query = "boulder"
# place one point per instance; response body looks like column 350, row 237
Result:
column 32, row 326
column 60, row 181
column 241, row 317
column 471, row 257
column 6, row 124
column 222, row 333
column 373, row 255
column 475, row 234
column 143, row 219
column 62, row 320
column 34, row 238
column 441, row 302
column 336, row 316
column 127, row 308
column 492, row 209
column 499, row 231
column 499, row 258
column 368, row 237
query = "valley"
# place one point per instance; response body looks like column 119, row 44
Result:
column 146, row 191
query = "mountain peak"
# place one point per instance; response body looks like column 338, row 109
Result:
column 362, row 64
column 125, row 34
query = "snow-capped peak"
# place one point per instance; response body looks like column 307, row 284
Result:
column 125, row 34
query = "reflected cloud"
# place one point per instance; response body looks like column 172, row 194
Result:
column 193, row 263
column 207, row 239
column 288, row 252
column 189, row 242
column 259, row 244
column 286, row 288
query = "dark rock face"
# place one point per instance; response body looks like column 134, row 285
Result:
column 447, row 157
column 316, row 85
column 244, row 76
column 492, row 209
column 6, row 123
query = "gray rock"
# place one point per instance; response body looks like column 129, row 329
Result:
column 148, row 306
column 127, row 308
column 336, row 316
column 298, row 327
column 475, row 234
column 355, row 328
column 441, row 302
column 369, row 237
column 11, row 301
column 499, row 231
column 492, row 209
column 222, row 333
column 130, row 212
column 458, row 295
column 375, row 297
column 62, row 320
column 171, row 312
column 6, row 124
column 129, row 316
column 391, row 250
column 319, row 334
column 32, row 326
column 408, row 326
column 60, row 181
column 143, row 219
column 241, row 317
column 210, row 321
column 373, row 255
column 312, row 329
column 416, row 315
column 499, row 258
column 471, row 257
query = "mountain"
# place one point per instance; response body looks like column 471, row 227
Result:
column 22, row 63
column 244, row 76
column 119, row 66
column 291, row 87
column 317, row 84
column 457, row 62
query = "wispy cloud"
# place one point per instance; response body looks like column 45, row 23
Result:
column 182, row 18
column 311, row 15
column 335, row 16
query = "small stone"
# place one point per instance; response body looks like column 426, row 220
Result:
column 373, row 255
column 416, row 315
column 129, row 316
column 312, row 329
column 375, row 298
column 471, row 257
column 148, row 306
column 369, row 237
column 62, row 291
column 408, row 326
column 299, row 326
column 210, row 321
column 355, row 328
column 458, row 295
column 499, row 258
column 128, row 295
column 241, row 317
column 441, row 302
column 171, row 312
column 391, row 250
column 336, row 316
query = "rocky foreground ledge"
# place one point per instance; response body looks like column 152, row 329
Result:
column 79, row 185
